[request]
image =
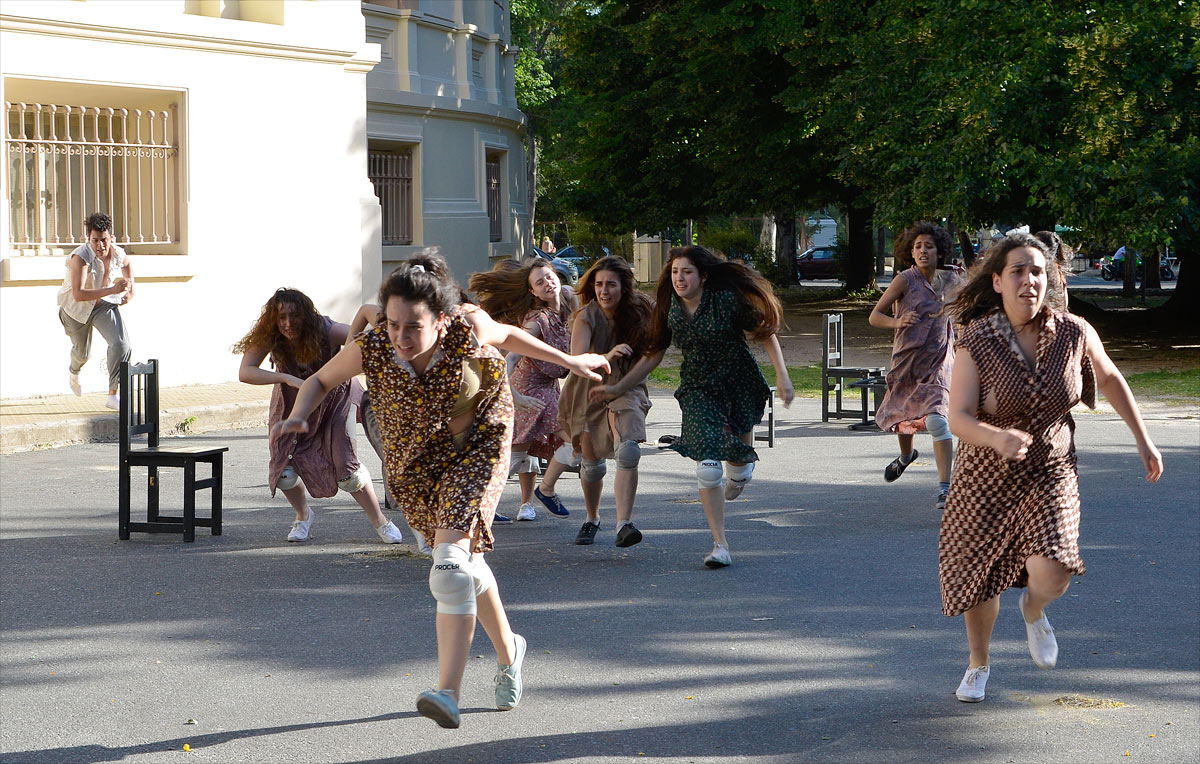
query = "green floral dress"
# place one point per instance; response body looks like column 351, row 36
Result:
column 722, row 391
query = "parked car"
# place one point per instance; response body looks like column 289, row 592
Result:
column 818, row 263
column 579, row 258
column 567, row 272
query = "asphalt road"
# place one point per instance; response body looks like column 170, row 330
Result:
column 823, row 642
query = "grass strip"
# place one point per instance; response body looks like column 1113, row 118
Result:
column 1174, row 386
column 806, row 379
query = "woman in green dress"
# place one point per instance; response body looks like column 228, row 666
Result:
column 707, row 306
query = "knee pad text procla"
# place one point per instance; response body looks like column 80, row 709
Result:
column 450, row 580
column 628, row 455
column 288, row 479
column 938, row 427
column 355, row 481
column 739, row 473
column 708, row 474
column 593, row 470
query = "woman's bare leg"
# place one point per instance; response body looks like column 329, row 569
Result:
column 297, row 496
column 454, row 632
column 943, row 454
column 366, row 499
column 980, row 620
column 591, row 490
column 1048, row 580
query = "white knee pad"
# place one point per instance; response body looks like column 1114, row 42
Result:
column 519, row 461
column 484, row 579
column 565, row 454
column 708, row 473
column 355, row 481
column 628, row 455
column 593, row 470
column 288, row 479
column 938, row 427
column 739, row 474
column 450, row 580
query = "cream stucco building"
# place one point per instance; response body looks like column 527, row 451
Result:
column 243, row 145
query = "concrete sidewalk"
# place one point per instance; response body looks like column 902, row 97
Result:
column 27, row 424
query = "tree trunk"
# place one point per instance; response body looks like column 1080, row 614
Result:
column 531, row 164
column 766, row 238
column 860, row 262
column 1150, row 278
column 968, row 251
column 880, row 254
column 785, row 246
column 1129, row 269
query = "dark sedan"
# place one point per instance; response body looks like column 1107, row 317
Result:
column 818, row 263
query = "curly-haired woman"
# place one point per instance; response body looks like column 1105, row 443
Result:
column 918, row 383
column 445, row 418
column 299, row 341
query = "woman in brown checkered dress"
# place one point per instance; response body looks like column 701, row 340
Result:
column 445, row 415
column 1012, row 516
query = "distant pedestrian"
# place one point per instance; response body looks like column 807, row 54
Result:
column 529, row 295
column 299, row 340
column 445, row 415
column 548, row 245
column 1012, row 518
column 705, row 306
column 918, row 383
column 91, row 296
column 614, row 321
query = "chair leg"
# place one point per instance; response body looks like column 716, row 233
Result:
column 217, row 489
column 189, row 501
column 123, row 503
column 152, row 494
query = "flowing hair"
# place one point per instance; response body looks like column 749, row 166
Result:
column 902, row 249
column 634, row 308
column 978, row 298
column 424, row 278
column 716, row 273
column 265, row 335
column 1058, row 255
column 503, row 291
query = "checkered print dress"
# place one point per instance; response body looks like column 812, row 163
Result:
column 1001, row 512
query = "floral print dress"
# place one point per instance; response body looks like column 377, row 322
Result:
column 722, row 391
column 437, row 483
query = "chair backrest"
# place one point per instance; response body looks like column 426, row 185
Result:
column 831, row 341
column 139, row 403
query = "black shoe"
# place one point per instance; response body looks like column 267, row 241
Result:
column 893, row 471
column 587, row 534
column 627, row 536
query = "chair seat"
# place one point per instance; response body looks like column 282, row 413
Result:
column 170, row 451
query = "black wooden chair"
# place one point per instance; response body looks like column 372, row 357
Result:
column 834, row 375
column 769, row 435
column 139, row 415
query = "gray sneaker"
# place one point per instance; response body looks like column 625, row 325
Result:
column 439, row 706
column 508, row 678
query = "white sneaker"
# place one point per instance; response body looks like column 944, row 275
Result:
column 1043, row 647
column 970, row 689
column 301, row 529
column 113, row 402
column 73, row 381
column 527, row 512
column 719, row 558
column 422, row 545
column 388, row 532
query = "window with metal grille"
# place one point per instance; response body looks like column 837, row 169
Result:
column 390, row 171
column 65, row 162
column 496, row 229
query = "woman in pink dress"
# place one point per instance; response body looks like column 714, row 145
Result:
column 918, row 384
column 529, row 295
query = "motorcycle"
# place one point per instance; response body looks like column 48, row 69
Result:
column 1110, row 270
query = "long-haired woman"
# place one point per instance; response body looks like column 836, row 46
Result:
column 918, row 384
column 299, row 340
column 529, row 295
column 615, row 322
column 706, row 306
column 445, row 418
column 1012, row 517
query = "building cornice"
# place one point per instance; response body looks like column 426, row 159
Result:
column 400, row 102
column 360, row 60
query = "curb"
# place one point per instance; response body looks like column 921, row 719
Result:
column 103, row 427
